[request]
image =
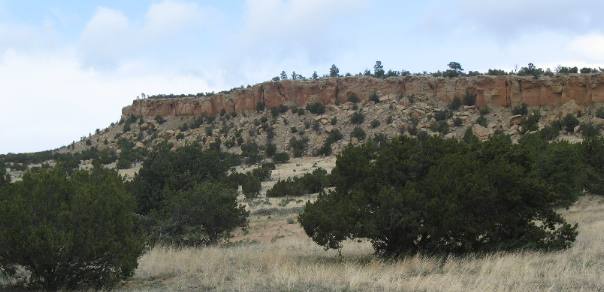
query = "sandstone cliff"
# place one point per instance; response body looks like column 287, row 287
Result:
column 492, row 91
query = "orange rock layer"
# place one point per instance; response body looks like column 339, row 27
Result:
column 492, row 91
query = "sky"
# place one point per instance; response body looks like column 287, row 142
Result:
column 68, row 67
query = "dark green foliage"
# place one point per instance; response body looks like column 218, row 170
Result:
column 316, row 108
column 457, row 122
column 593, row 155
column 378, row 69
column 374, row 97
column 590, row 130
column 496, row 72
column 251, row 186
column 353, row 98
column 375, row 123
column 530, row 70
column 260, row 106
column 334, row 71
column 128, row 154
column 271, row 149
column 469, row 99
column 281, row 157
column 570, row 122
column 69, row 231
column 550, row 132
column 334, row 121
column 600, row 112
column 442, row 115
column 310, row 183
column 440, row 127
column 165, row 172
column 160, row 120
column 439, row 196
column 251, row 152
column 482, row 121
column 520, row 110
column 531, row 122
column 4, row 177
column 357, row 118
column 128, row 122
column 455, row 104
column 201, row 215
column 358, row 133
column 298, row 146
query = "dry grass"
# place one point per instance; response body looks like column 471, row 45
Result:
column 294, row 263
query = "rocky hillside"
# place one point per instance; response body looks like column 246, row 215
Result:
column 492, row 91
column 320, row 117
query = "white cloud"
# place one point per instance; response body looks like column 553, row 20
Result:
column 50, row 100
column 107, row 37
column 172, row 16
column 590, row 46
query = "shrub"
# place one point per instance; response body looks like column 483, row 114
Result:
column 469, row 99
column 600, row 112
column 357, row 118
column 590, row 130
column 202, row 215
column 440, row 127
column 308, row 184
column 455, row 104
column 482, row 121
column 260, row 106
column 531, row 122
column 520, row 110
column 334, row 121
column 69, row 231
column 592, row 150
column 358, row 133
column 316, row 108
column 457, row 122
column 281, row 157
column 251, row 186
column 375, row 123
column 298, row 146
column 165, row 172
column 271, row 149
column 437, row 196
column 374, row 97
column 251, row 152
column 353, row 98
column 442, row 115
column 570, row 122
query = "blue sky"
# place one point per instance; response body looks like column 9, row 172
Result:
column 67, row 67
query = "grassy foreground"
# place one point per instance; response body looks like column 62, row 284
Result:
column 284, row 259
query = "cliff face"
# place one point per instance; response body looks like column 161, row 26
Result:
column 493, row 91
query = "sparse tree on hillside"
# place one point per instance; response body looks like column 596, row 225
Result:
column 334, row 71
column 283, row 75
column 315, row 76
column 378, row 69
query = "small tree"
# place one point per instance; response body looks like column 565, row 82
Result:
column 378, row 69
column 251, row 186
column 334, row 71
column 570, row 122
column 357, row 118
column 298, row 146
column 315, row 76
column 358, row 133
column 283, row 75
column 75, row 231
column 202, row 215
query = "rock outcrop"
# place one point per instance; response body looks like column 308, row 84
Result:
column 492, row 91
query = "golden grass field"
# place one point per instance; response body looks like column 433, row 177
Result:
column 275, row 255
